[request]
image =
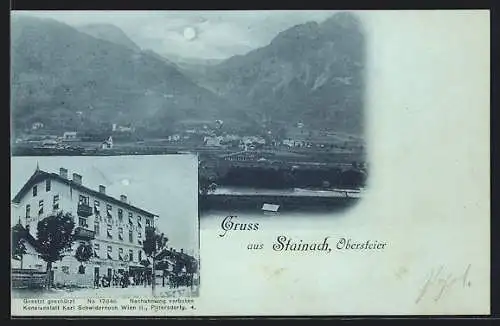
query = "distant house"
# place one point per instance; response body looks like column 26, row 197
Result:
column 50, row 143
column 251, row 143
column 107, row 144
column 212, row 141
column 70, row 136
column 37, row 125
column 175, row 137
column 288, row 142
column 294, row 142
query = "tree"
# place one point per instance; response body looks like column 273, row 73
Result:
column 54, row 237
column 203, row 183
column 83, row 254
column 18, row 247
column 191, row 265
column 212, row 187
column 353, row 178
column 154, row 243
column 206, row 186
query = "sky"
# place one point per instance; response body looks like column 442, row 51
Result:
column 194, row 34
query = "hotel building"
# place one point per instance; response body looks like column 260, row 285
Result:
column 113, row 227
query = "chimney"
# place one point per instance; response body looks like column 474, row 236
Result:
column 63, row 173
column 102, row 189
column 182, row 251
column 123, row 198
column 77, row 178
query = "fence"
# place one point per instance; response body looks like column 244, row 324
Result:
column 28, row 278
column 74, row 279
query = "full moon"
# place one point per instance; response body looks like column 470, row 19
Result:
column 189, row 33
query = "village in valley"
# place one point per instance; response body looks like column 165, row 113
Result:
column 269, row 156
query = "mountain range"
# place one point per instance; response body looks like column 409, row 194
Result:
column 70, row 77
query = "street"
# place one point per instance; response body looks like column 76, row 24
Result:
column 111, row 292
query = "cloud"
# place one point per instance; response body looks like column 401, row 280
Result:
column 220, row 34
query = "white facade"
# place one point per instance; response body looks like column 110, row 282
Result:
column 116, row 239
column 175, row 137
column 70, row 135
column 213, row 141
column 37, row 125
column 107, row 144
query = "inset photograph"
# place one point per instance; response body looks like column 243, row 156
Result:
column 121, row 226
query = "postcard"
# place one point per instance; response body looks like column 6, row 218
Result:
column 250, row 163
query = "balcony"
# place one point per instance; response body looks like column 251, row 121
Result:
column 84, row 234
column 84, row 210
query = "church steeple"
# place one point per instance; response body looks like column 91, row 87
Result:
column 37, row 167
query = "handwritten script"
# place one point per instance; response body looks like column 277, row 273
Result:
column 440, row 282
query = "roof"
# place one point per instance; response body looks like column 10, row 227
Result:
column 270, row 207
column 40, row 176
column 170, row 254
column 25, row 235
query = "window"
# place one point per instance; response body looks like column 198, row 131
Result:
column 40, row 207
column 96, row 250
column 120, row 233
column 148, row 222
column 130, row 215
column 82, row 221
column 97, row 228
column 120, row 214
column 110, row 252
column 130, row 255
column 120, row 254
column 47, row 185
column 140, row 255
column 97, row 209
column 109, row 208
column 35, row 191
column 28, row 210
column 55, row 202
column 130, row 236
column 110, row 227
column 83, row 200
column 139, row 219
